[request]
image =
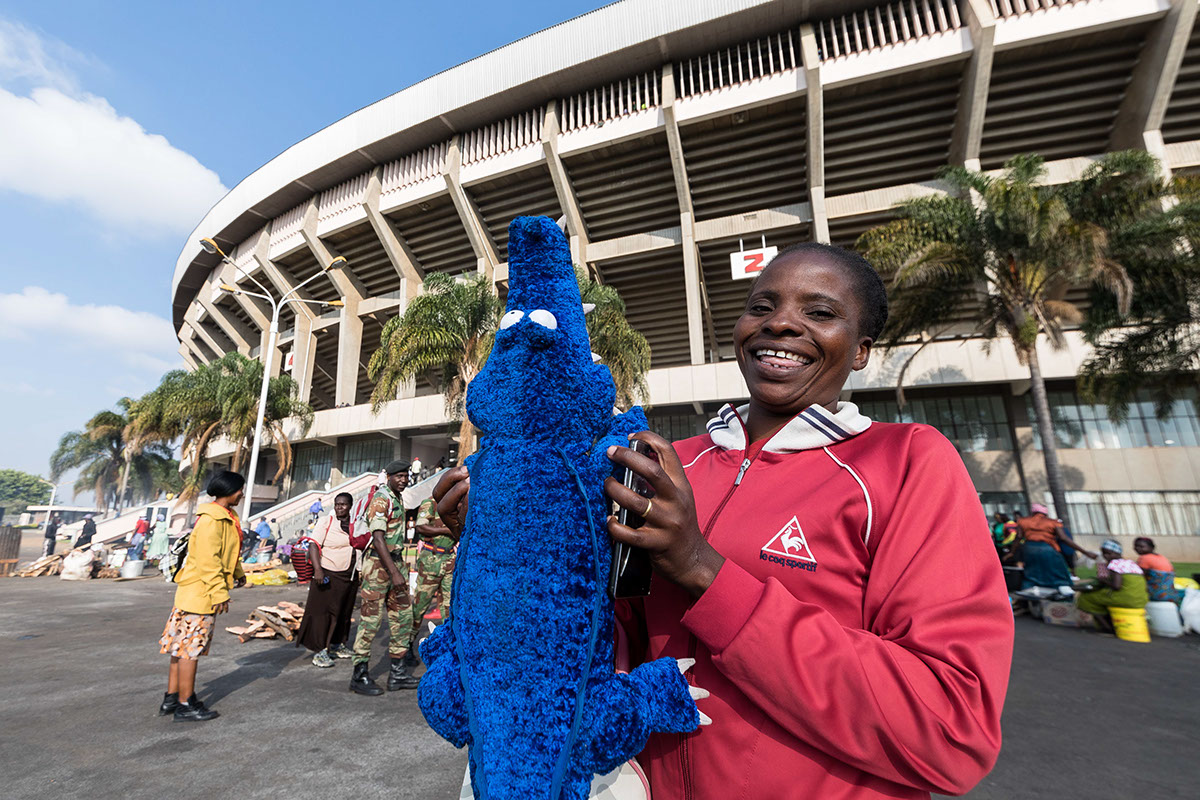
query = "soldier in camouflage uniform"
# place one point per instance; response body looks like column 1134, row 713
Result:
column 435, row 567
column 385, row 587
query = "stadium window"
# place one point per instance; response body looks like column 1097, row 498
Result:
column 366, row 456
column 311, row 468
column 1080, row 425
column 974, row 423
column 674, row 427
column 1134, row 513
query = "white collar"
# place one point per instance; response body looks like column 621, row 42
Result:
column 813, row 427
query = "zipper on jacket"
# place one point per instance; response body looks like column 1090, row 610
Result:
column 685, row 761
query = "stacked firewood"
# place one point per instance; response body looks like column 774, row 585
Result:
column 46, row 565
column 268, row 622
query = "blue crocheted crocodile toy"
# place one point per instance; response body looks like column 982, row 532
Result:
column 523, row 672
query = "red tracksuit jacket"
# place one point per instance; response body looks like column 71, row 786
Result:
column 857, row 640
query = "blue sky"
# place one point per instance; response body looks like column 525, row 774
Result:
column 122, row 124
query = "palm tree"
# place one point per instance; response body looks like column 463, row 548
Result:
column 107, row 462
column 622, row 349
column 1015, row 253
column 218, row 399
column 1157, row 343
column 444, row 335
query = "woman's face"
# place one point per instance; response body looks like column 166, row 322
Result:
column 1142, row 548
column 341, row 508
column 1109, row 555
column 799, row 337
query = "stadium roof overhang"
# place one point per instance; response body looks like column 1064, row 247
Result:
column 605, row 44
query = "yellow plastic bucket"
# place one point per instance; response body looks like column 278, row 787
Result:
column 1130, row 624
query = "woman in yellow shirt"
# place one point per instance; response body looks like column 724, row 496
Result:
column 211, row 569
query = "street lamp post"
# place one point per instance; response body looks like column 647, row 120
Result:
column 50, row 508
column 211, row 247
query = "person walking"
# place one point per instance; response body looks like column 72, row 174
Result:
column 326, row 623
column 160, row 541
column 385, row 588
column 314, row 510
column 273, row 527
column 435, row 569
column 137, row 542
column 210, row 570
column 51, row 536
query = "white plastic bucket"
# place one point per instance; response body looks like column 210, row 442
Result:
column 132, row 569
column 1163, row 618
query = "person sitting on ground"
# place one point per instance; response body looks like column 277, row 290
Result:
column 829, row 581
column 1042, row 553
column 325, row 626
column 211, row 569
column 1159, row 572
column 1122, row 585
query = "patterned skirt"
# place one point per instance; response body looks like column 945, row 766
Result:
column 187, row 635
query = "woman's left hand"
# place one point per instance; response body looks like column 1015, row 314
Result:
column 670, row 533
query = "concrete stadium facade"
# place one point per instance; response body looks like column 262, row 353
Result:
column 670, row 136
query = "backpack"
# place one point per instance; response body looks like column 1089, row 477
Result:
column 177, row 556
column 360, row 533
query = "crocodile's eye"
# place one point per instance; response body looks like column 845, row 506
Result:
column 511, row 318
column 544, row 318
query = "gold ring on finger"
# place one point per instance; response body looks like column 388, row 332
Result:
column 649, row 505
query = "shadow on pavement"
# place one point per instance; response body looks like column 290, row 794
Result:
column 265, row 665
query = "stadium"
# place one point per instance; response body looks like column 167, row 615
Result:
column 677, row 141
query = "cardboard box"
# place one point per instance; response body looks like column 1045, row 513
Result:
column 1060, row 612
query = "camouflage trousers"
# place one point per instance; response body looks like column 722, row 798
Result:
column 434, row 571
column 380, row 598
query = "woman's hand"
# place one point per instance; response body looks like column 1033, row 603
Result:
column 239, row 582
column 221, row 608
column 451, row 497
column 670, row 534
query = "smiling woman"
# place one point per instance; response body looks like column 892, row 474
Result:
column 832, row 577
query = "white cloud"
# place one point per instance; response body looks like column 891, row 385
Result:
column 141, row 341
column 64, row 145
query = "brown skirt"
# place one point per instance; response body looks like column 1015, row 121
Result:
column 327, row 613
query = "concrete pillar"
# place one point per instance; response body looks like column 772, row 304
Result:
column 814, row 116
column 674, row 143
column 401, row 256
column 1144, row 105
column 691, row 285
column 973, row 93
column 477, row 233
column 336, row 473
column 276, row 356
column 567, row 201
column 240, row 333
column 344, row 280
column 350, row 334
column 186, row 354
column 191, row 320
column 304, row 356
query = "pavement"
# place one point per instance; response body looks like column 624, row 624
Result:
column 1087, row 716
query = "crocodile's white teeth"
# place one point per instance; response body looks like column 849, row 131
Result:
column 595, row 358
column 589, row 308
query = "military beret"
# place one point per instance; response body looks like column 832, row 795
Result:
column 399, row 465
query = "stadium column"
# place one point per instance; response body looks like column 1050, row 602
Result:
column 563, row 190
column 350, row 326
column 698, row 312
column 1140, row 116
column 192, row 319
column 234, row 328
column 973, row 94
column 814, row 98
column 186, row 354
column 401, row 256
column 304, row 340
column 198, row 346
column 481, row 241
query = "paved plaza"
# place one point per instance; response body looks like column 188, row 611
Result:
column 80, row 679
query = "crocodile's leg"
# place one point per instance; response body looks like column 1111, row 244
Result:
column 622, row 712
column 441, row 695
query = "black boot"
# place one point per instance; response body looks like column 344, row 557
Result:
column 400, row 676
column 169, row 704
column 411, row 660
column 361, row 682
column 194, row 711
